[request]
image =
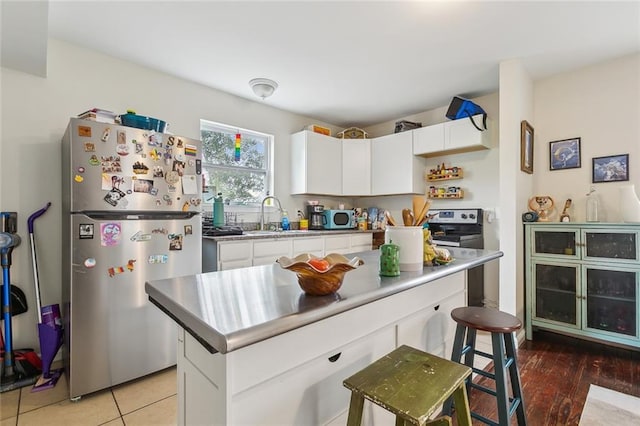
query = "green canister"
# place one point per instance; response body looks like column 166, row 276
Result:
column 389, row 260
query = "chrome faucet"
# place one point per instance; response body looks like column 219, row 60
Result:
column 262, row 209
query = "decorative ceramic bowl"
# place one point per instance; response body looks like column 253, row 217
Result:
column 320, row 276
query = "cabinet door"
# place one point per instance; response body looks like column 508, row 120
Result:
column 392, row 164
column 551, row 242
column 337, row 244
column 313, row 246
column 356, row 167
column 312, row 393
column 429, row 139
column 461, row 134
column 234, row 254
column 361, row 242
column 614, row 245
column 316, row 164
column 431, row 330
column 555, row 293
column 611, row 300
column 268, row 251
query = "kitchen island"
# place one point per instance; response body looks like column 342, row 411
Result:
column 254, row 349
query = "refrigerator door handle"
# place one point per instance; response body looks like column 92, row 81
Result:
column 138, row 215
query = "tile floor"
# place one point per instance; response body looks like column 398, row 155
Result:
column 147, row 401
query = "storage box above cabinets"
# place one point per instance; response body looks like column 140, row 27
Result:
column 451, row 137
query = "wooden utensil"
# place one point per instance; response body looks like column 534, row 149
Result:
column 422, row 217
column 390, row 220
column 418, row 203
column 407, row 217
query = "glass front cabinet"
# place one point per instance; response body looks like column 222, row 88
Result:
column 584, row 279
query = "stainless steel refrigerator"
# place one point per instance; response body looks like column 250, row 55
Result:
column 131, row 213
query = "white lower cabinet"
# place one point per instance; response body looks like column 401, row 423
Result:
column 337, row 244
column 266, row 252
column 432, row 330
column 234, row 254
column 295, row 378
column 313, row 246
column 312, row 393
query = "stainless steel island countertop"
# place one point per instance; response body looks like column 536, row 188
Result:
column 227, row 310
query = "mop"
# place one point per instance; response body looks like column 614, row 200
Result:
column 16, row 369
column 49, row 322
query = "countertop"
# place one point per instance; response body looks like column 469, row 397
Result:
column 289, row 234
column 227, row 310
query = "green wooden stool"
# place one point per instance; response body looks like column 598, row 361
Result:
column 412, row 385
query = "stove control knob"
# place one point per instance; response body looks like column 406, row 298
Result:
column 472, row 216
column 463, row 215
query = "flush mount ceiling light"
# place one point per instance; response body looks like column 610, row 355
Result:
column 263, row 87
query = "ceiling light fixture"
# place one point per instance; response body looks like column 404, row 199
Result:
column 263, row 87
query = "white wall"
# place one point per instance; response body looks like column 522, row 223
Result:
column 516, row 104
column 35, row 112
column 601, row 105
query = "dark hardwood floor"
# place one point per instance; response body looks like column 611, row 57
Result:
column 556, row 372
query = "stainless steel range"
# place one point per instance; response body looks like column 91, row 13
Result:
column 461, row 228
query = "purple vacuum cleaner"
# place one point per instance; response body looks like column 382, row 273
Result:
column 50, row 329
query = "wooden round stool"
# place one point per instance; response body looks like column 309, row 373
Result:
column 501, row 325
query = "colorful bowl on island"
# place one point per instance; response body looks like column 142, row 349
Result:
column 319, row 276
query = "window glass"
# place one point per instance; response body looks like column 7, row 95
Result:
column 242, row 176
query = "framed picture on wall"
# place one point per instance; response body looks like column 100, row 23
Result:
column 526, row 147
column 564, row 154
column 613, row 168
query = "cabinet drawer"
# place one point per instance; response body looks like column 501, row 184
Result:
column 361, row 240
column 311, row 393
column 339, row 242
column 234, row 251
column 308, row 245
column 272, row 248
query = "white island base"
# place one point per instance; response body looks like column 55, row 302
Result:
column 295, row 378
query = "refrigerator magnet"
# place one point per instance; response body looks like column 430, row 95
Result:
column 80, row 169
column 115, row 270
column 122, row 137
column 105, row 134
column 157, row 258
column 175, row 243
column 110, row 234
column 85, row 231
column 139, row 146
column 93, row 160
column 172, row 177
column 130, row 264
column 122, row 149
column 89, row 147
column 78, row 178
column 171, row 141
column 89, row 263
column 140, row 168
column 154, row 154
column 198, row 167
column 180, row 143
column 158, row 172
column 154, row 140
column 114, row 196
column 190, row 150
column 84, row 131
column 188, row 230
column 189, row 184
column 140, row 236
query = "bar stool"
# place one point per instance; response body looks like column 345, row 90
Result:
column 501, row 325
column 412, row 385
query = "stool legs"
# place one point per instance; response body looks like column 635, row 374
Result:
column 502, row 343
column 355, row 410
column 514, row 375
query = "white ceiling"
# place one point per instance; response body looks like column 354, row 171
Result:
column 352, row 63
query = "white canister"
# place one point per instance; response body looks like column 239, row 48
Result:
column 409, row 239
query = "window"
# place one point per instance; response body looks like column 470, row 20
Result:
column 245, row 180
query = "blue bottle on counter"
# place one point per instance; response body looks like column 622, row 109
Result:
column 285, row 221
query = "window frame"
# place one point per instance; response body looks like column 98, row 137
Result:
column 214, row 126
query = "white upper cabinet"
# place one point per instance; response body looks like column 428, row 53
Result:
column 451, row 137
column 428, row 139
column 395, row 170
column 316, row 164
column 356, row 167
